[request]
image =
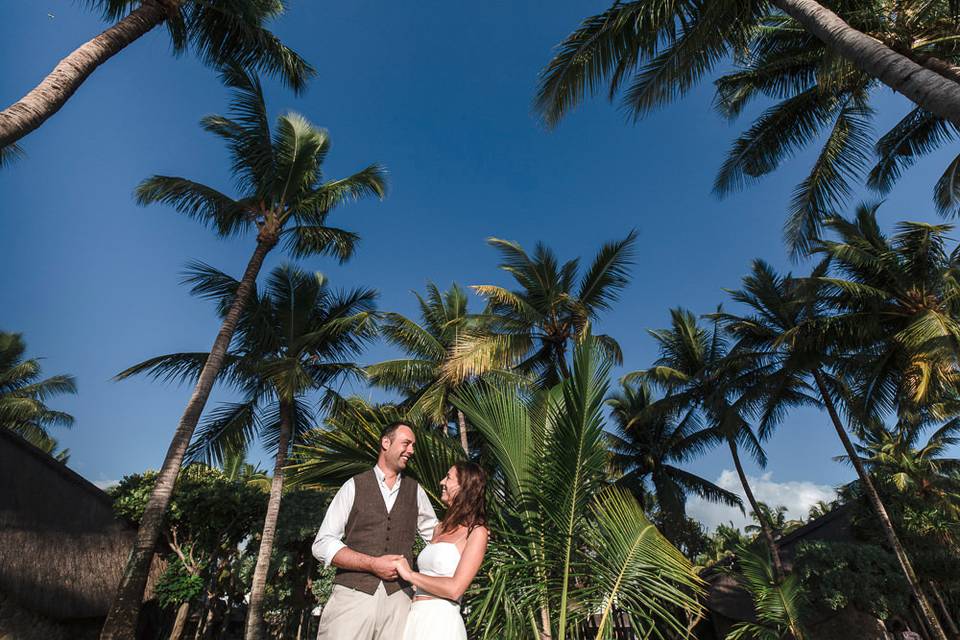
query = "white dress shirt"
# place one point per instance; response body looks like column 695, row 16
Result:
column 329, row 538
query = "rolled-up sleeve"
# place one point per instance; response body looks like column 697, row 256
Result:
column 329, row 538
column 426, row 516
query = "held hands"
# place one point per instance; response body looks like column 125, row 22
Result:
column 384, row 567
column 403, row 568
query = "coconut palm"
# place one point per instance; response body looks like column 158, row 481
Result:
column 698, row 375
column 531, row 329
column 777, row 603
column 823, row 99
column 923, row 469
column 821, row 508
column 285, row 199
column 646, row 447
column 569, row 545
column 349, row 443
column 900, row 295
column 660, row 50
column 219, row 33
column 429, row 344
column 566, row 544
column 819, row 66
column 24, row 395
column 295, row 337
column 787, row 326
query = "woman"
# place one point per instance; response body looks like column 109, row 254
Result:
column 450, row 561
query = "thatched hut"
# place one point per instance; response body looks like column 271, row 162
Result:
column 728, row 603
column 62, row 550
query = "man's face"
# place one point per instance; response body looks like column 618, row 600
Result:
column 397, row 450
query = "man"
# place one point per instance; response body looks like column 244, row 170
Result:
column 370, row 524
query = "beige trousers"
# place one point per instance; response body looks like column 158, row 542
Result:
column 353, row 615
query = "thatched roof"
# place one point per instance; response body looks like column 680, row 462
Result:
column 726, row 597
column 62, row 550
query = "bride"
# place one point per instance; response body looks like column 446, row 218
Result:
column 450, row 561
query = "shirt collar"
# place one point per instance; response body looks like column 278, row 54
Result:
column 382, row 478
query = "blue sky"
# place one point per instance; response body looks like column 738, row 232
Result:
column 441, row 94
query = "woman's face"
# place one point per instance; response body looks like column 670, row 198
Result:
column 449, row 486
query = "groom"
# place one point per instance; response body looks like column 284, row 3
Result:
column 370, row 524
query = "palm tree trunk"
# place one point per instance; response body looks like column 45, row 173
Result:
column 462, row 424
column 46, row 98
column 885, row 523
column 761, row 517
column 180, row 623
column 928, row 89
column 944, row 610
column 121, row 622
column 256, row 629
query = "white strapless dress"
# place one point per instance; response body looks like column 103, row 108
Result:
column 436, row 619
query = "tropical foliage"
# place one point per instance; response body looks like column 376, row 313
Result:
column 571, row 546
column 647, row 446
column 223, row 34
column 24, row 393
column 800, row 54
column 532, row 329
column 776, row 601
column 285, row 200
column 294, row 337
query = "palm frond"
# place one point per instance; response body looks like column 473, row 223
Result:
column 636, row 569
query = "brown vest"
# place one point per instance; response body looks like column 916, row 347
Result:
column 373, row 531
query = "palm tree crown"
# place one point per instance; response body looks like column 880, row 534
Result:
column 24, row 394
column 646, row 447
column 280, row 174
column 429, row 343
column 531, row 329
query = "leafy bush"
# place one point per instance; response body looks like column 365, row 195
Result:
column 864, row 576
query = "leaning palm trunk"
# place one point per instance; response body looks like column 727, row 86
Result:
column 180, row 622
column 462, row 425
column 121, row 622
column 761, row 517
column 886, row 524
column 944, row 610
column 256, row 629
column 52, row 93
column 930, row 90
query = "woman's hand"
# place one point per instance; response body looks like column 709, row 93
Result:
column 403, row 569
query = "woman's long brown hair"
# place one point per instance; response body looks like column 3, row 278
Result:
column 469, row 507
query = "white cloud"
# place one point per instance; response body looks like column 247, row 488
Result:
column 106, row 484
column 797, row 495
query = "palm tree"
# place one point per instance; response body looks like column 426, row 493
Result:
column 295, row 337
column 820, row 68
column 349, row 443
column 531, row 329
column 776, row 516
column 421, row 377
column 24, row 395
column 285, row 200
column 219, row 33
column 821, row 508
column 900, row 296
column 662, row 49
column 777, row 603
column 821, row 97
column 565, row 536
column 566, row 545
column 695, row 370
column 923, row 469
column 646, row 447
column 788, row 327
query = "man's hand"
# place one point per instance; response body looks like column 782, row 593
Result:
column 385, row 567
